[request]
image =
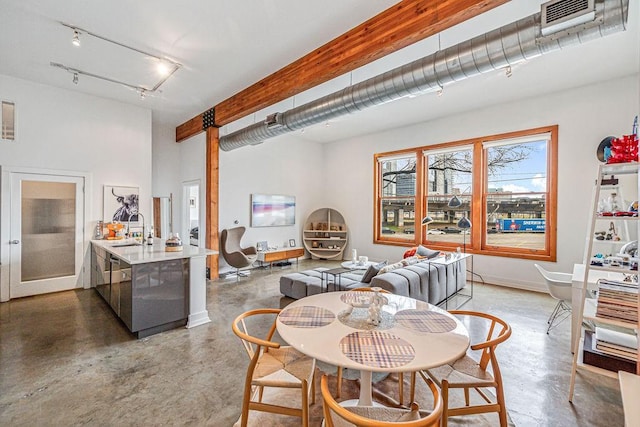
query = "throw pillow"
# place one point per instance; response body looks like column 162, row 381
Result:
column 410, row 252
column 391, row 267
column 372, row 271
column 426, row 252
column 411, row 260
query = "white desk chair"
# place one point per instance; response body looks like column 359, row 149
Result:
column 559, row 285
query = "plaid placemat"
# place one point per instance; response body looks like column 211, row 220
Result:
column 425, row 321
column 306, row 316
column 377, row 349
column 354, row 297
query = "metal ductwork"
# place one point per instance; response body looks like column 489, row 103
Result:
column 516, row 42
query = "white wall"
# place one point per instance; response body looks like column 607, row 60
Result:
column 585, row 116
column 279, row 166
column 193, row 163
column 58, row 129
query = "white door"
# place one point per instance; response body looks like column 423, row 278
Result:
column 47, row 217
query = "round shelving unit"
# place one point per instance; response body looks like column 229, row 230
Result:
column 325, row 234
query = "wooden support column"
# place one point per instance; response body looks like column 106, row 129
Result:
column 212, row 189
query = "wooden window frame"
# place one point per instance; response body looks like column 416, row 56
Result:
column 477, row 243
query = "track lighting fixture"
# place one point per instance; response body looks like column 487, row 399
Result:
column 76, row 38
column 440, row 91
column 508, row 71
column 165, row 67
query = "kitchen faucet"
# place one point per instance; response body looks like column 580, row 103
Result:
column 129, row 227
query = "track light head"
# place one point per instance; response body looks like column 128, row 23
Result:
column 163, row 68
column 440, row 91
column 142, row 93
column 76, row 38
column 75, row 78
column 508, row 71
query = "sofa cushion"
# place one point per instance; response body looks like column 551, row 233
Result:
column 372, row 271
column 425, row 252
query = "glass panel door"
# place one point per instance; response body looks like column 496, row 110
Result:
column 46, row 224
column 48, row 230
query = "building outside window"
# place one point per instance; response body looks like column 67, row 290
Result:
column 396, row 198
column 504, row 184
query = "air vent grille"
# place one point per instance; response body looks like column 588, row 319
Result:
column 566, row 15
column 565, row 8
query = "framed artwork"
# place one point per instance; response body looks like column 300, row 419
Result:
column 272, row 210
column 292, row 243
column 121, row 204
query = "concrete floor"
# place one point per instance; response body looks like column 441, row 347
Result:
column 66, row 360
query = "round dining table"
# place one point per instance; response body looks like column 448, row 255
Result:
column 334, row 327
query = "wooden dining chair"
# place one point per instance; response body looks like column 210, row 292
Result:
column 400, row 375
column 379, row 416
column 467, row 373
column 273, row 365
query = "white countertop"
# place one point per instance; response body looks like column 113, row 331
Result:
column 149, row 253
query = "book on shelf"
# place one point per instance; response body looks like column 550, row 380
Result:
column 617, row 300
column 616, row 343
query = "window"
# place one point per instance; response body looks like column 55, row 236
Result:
column 449, row 195
column 515, row 197
column 503, row 185
column 396, row 198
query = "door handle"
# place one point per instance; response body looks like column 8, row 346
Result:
column 14, row 242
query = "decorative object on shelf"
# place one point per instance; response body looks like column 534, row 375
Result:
column 603, row 152
column 630, row 248
column 262, row 246
column 624, row 149
column 173, row 243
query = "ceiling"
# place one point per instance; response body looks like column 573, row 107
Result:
column 227, row 45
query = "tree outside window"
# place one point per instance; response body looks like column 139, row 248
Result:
column 505, row 184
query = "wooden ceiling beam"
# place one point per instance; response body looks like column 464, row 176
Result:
column 403, row 24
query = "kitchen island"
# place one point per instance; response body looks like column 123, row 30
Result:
column 149, row 289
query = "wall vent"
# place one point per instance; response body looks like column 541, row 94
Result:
column 558, row 15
